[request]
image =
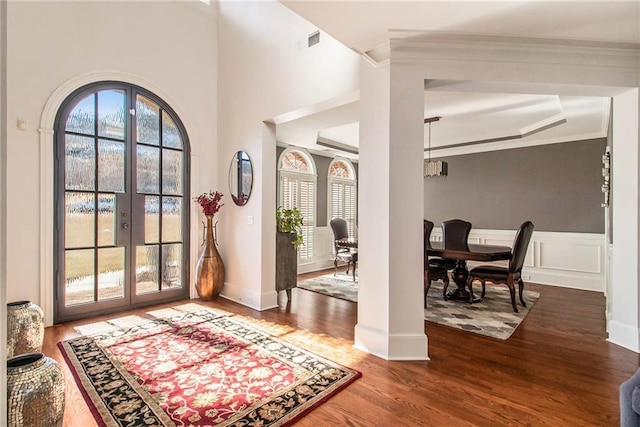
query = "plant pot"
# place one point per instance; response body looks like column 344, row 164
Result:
column 210, row 268
column 35, row 391
column 25, row 328
column 286, row 262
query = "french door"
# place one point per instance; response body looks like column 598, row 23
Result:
column 122, row 205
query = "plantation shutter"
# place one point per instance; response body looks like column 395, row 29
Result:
column 337, row 210
column 308, row 210
column 299, row 192
column 288, row 192
column 343, row 204
column 349, row 203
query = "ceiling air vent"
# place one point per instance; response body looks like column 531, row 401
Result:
column 314, row 39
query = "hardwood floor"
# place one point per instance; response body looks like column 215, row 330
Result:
column 556, row 369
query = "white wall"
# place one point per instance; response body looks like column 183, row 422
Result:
column 624, row 314
column 265, row 70
column 169, row 47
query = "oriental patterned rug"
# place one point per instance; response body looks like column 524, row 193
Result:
column 198, row 367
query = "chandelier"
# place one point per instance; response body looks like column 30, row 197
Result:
column 437, row 168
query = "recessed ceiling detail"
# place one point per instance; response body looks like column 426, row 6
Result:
column 471, row 122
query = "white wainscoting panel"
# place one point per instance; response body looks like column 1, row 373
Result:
column 584, row 258
column 571, row 260
column 322, row 258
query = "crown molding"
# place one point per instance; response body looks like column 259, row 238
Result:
column 427, row 47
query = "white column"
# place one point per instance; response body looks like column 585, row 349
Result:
column 624, row 320
column 390, row 211
column 265, row 188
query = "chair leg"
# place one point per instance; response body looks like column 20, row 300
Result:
column 520, row 291
column 470, row 287
column 445, row 280
column 354, row 271
column 427, row 285
column 444, row 288
column 484, row 289
column 512, row 291
column 335, row 267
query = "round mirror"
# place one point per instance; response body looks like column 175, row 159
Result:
column 240, row 178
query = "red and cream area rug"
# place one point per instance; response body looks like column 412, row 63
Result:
column 200, row 367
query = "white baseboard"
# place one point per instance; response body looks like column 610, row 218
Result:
column 248, row 297
column 624, row 335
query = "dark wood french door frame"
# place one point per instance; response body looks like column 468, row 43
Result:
column 131, row 208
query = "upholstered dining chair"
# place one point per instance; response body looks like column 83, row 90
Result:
column 340, row 231
column 455, row 233
column 510, row 275
column 431, row 272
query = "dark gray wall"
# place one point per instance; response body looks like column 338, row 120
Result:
column 322, row 169
column 556, row 186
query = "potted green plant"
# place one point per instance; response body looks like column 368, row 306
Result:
column 288, row 240
column 290, row 221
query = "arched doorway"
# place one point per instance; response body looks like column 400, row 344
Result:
column 121, row 219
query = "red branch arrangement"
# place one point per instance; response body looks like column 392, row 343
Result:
column 210, row 202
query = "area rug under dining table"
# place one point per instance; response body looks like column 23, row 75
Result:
column 492, row 317
column 199, row 367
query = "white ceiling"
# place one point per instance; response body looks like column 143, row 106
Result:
column 468, row 119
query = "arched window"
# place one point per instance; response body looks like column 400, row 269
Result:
column 342, row 203
column 297, row 188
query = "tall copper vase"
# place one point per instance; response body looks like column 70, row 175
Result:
column 210, row 268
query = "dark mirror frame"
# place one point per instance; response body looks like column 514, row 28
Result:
column 240, row 178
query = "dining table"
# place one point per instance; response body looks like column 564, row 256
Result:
column 472, row 252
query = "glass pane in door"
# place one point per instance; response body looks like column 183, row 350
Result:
column 82, row 118
column 171, row 219
column 111, row 164
column 80, row 156
column 151, row 219
column 147, row 269
column 110, row 273
column 171, row 266
column 79, row 219
column 148, row 170
column 111, row 114
column 79, row 276
column 148, row 121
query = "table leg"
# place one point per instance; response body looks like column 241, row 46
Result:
column 460, row 274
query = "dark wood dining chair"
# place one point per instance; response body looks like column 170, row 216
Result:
column 455, row 233
column 343, row 254
column 431, row 272
column 510, row 275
